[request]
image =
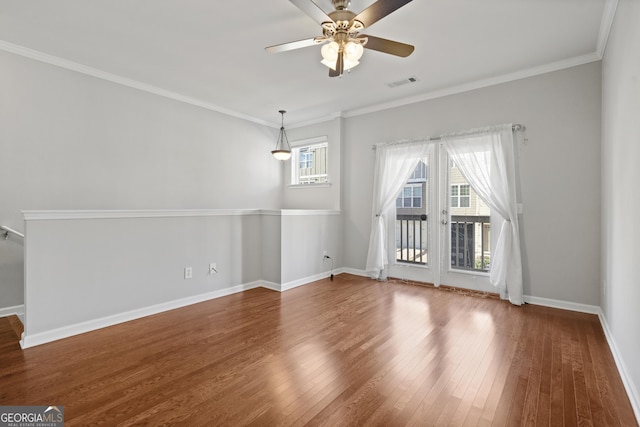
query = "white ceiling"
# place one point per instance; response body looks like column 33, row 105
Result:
column 211, row 53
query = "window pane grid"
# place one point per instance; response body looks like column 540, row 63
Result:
column 311, row 161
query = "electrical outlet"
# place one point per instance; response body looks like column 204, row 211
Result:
column 213, row 269
column 188, row 272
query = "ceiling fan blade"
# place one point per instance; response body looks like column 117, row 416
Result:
column 378, row 10
column 388, row 46
column 312, row 10
column 339, row 67
column 294, row 45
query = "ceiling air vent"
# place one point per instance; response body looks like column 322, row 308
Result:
column 404, row 81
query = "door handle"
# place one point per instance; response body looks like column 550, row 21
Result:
column 444, row 222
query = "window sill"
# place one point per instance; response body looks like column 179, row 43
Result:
column 323, row 185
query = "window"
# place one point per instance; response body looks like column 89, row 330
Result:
column 410, row 196
column 306, row 158
column 460, row 196
column 419, row 173
column 309, row 162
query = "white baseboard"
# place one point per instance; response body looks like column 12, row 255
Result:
column 304, row 281
column 31, row 340
column 281, row 287
column 270, row 285
column 354, row 271
column 565, row 305
column 18, row 310
column 631, row 389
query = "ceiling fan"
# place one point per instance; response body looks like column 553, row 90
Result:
column 343, row 43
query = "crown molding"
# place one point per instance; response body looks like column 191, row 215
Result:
column 608, row 15
column 606, row 23
column 479, row 84
column 329, row 118
column 124, row 81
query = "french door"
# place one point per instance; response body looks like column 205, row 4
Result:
column 441, row 230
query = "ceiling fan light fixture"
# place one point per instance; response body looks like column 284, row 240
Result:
column 352, row 54
column 330, row 52
column 349, row 64
column 353, row 51
column 283, row 148
column 341, row 28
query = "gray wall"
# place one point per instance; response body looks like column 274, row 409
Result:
column 271, row 247
column 559, row 172
column 79, row 270
column 305, row 238
column 620, row 178
column 71, row 141
column 76, row 142
column 316, row 197
column 91, row 269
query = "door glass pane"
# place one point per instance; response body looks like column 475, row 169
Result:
column 470, row 225
column 412, row 230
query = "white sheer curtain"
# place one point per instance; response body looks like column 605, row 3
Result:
column 394, row 165
column 485, row 157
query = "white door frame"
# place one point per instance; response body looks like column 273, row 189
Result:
column 438, row 271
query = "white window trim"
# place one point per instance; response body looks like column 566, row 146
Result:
column 320, row 185
column 412, row 185
column 459, row 196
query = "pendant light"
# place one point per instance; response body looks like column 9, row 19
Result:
column 282, row 151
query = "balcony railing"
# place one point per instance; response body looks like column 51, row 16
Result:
column 470, row 243
column 470, row 239
column 412, row 236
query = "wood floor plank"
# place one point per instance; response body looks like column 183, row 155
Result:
column 543, row 411
column 351, row 351
column 502, row 391
column 534, row 377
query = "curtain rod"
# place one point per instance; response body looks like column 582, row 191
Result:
column 514, row 128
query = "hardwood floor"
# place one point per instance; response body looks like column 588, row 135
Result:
column 346, row 352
